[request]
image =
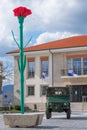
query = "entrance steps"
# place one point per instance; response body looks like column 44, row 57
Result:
column 82, row 106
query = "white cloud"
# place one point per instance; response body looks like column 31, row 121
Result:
column 47, row 15
column 5, row 59
column 47, row 36
column 52, row 14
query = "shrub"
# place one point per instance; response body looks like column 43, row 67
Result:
column 16, row 107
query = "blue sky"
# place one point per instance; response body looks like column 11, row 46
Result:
column 50, row 20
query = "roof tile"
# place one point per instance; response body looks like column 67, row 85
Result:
column 75, row 41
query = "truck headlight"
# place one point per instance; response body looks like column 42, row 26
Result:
column 65, row 104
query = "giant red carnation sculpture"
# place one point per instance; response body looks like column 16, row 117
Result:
column 22, row 11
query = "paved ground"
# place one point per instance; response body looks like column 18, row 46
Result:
column 78, row 121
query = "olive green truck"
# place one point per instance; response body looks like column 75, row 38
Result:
column 58, row 100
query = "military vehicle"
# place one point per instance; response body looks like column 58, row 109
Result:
column 58, row 100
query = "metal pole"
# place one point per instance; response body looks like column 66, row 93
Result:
column 52, row 69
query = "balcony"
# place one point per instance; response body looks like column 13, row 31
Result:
column 73, row 73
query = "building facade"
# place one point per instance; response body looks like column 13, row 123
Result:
column 54, row 64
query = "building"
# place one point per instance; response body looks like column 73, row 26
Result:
column 57, row 63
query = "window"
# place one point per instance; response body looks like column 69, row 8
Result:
column 30, row 90
column 69, row 64
column 43, row 90
column 31, row 68
column 77, row 66
column 76, row 93
column 70, row 67
column 44, row 67
column 74, row 66
column 85, row 65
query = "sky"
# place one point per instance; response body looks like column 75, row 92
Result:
column 50, row 20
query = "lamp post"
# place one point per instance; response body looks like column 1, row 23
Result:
column 21, row 13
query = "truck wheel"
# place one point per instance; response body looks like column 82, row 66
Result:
column 48, row 114
column 68, row 114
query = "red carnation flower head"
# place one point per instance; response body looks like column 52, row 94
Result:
column 22, row 11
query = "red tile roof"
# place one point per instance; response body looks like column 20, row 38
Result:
column 75, row 41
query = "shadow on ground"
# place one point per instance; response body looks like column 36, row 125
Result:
column 37, row 127
column 46, row 127
column 72, row 118
column 78, row 118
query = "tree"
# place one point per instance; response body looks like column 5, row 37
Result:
column 6, row 74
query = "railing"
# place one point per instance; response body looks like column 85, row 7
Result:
column 74, row 72
column 31, row 74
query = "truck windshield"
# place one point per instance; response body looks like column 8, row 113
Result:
column 58, row 91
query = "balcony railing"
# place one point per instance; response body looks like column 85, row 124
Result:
column 74, row 72
column 31, row 74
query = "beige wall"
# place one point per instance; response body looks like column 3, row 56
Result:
column 37, row 81
column 59, row 64
column 16, row 82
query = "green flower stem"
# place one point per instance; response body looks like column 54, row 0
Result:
column 21, row 20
